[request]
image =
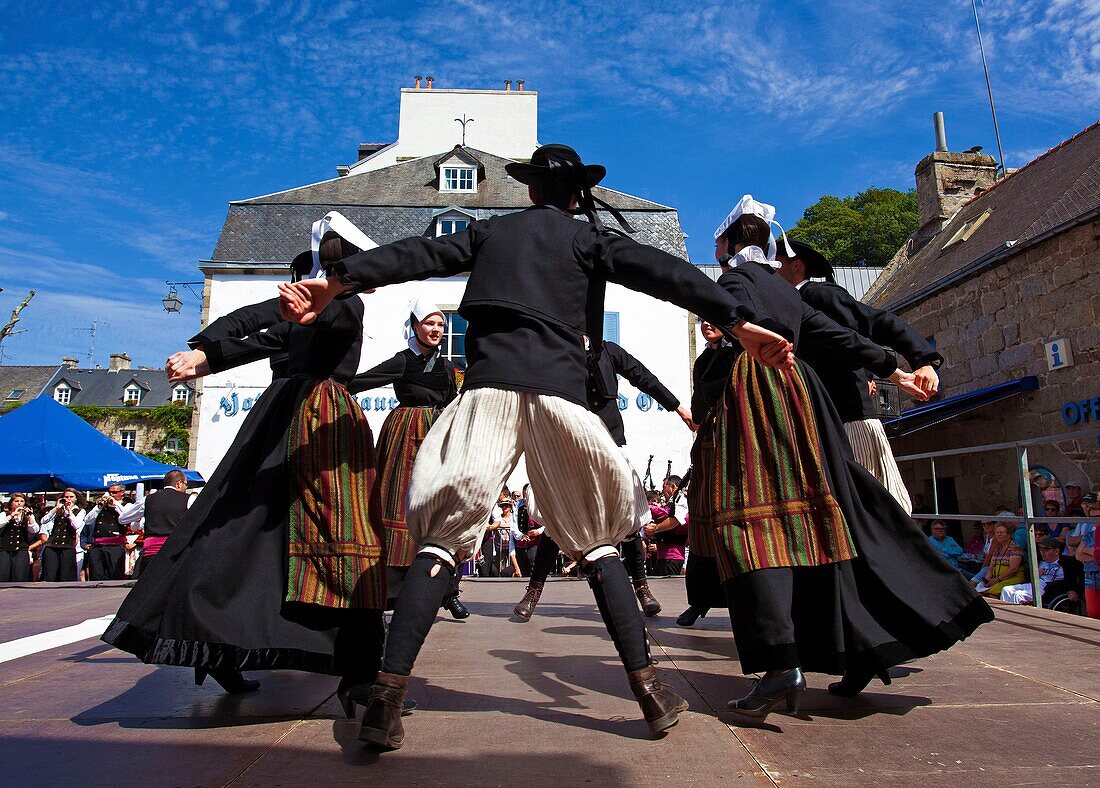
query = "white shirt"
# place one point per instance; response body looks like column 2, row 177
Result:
column 76, row 517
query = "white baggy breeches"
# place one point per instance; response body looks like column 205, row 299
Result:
column 587, row 491
column 872, row 451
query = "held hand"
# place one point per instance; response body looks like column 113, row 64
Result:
column 765, row 346
column 928, row 379
column 872, row 388
column 188, row 365
column 686, row 418
column 906, row 381
column 301, row 302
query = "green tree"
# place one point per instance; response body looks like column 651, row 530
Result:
column 866, row 229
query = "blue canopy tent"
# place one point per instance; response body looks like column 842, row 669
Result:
column 49, row 447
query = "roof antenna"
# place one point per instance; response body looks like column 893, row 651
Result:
column 96, row 325
column 988, row 86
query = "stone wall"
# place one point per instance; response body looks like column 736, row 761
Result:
column 993, row 328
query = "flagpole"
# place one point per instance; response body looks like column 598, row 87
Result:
column 988, row 86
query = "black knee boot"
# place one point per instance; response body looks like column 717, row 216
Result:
column 427, row 581
column 614, row 595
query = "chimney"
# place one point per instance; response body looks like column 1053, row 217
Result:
column 431, row 80
column 946, row 180
column 119, row 362
column 507, row 84
column 519, row 85
column 418, row 78
column 69, row 362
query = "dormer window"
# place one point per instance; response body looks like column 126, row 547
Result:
column 181, row 394
column 452, row 220
column 132, row 395
column 62, row 393
column 457, row 179
column 452, row 224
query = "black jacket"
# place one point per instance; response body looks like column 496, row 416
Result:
column 244, row 322
column 536, row 292
column 411, row 384
column 709, row 376
column 780, row 308
column 847, row 384
column 603, row 387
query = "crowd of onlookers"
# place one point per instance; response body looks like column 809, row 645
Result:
column 28, row 522
column 993, row 555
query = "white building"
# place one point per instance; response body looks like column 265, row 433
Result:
column 427, row 182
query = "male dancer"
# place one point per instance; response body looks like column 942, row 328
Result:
column 603, row 400
column 537, row 281
column 851, row 389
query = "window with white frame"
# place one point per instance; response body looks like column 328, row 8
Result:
column 132, row 395
column 63, row 393
column 16, row 393
column 128, row 439
column 453, row 345
column 451, row 224
column 457, row 179
column 181, row 394
column 172, row 444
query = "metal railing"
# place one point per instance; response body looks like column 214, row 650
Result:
column 1020, row 448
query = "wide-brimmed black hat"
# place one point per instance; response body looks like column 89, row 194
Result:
column 560, row 162
column 816, row 264
column 301, row 266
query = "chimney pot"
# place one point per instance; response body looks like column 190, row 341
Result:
column 941, row 132
column 507, row 84
column 418, row 78
column 119, row 362
column 519, row 85
column 431, row 80
column 69, row 362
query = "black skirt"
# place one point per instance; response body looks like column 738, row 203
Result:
column 215, row 595
column 896, row 601
column 58, row 564
column 703, row 584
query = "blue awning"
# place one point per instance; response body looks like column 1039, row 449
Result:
column 934, row 413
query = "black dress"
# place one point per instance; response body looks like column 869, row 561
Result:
column 898, row 599
column 214, row 598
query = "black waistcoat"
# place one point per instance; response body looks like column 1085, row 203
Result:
column 15, row 536
column 107, row 524
column 163, row 511
column 64, row 532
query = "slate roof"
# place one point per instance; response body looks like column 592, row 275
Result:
column 105, row 388
column 29, row 380
column 1056, row 190
column 400, row 201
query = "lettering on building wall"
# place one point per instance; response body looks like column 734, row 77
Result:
column 1086, row 411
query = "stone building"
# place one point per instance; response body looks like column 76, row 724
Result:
column 1001, row 276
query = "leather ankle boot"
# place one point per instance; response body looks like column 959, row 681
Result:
column 661, row 706
column 526, row 606
column 382, row 719
column 769, row 692
column 650, row 605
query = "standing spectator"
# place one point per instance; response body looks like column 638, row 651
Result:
column 1086, row 554
column 104, row 537
column 1074, row 507
column 947, row 546
column 19, row 533
column 62, row 553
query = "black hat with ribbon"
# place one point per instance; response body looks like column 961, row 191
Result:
column 564, row 164
column 817, row 266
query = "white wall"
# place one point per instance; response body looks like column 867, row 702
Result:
column 505, row 124
column 653, row 331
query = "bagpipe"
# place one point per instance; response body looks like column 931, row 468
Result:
column 665, row 507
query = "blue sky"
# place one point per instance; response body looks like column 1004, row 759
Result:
column 128, row 126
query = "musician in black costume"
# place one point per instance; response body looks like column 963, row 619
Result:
column 19, row 531
column 537, row 281
column 104, row 537
column 603, row 399
column 62, row 526
column 852, row 389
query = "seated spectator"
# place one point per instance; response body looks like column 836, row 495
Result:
column 1058, row 531
column 19, row 534
column 1051, row 574
column 947, row 546
column 1003, row 565
column 976, row 545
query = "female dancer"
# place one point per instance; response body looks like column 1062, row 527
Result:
column 424, row 383
column 226, row 594
column 62, row 554
column 824, row 570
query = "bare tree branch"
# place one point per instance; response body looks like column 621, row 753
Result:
column 9, row 329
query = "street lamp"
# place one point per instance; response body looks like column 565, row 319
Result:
column 172, row 301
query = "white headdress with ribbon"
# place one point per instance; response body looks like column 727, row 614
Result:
column 748, row 205
column 337, row 223
column 419, row 309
